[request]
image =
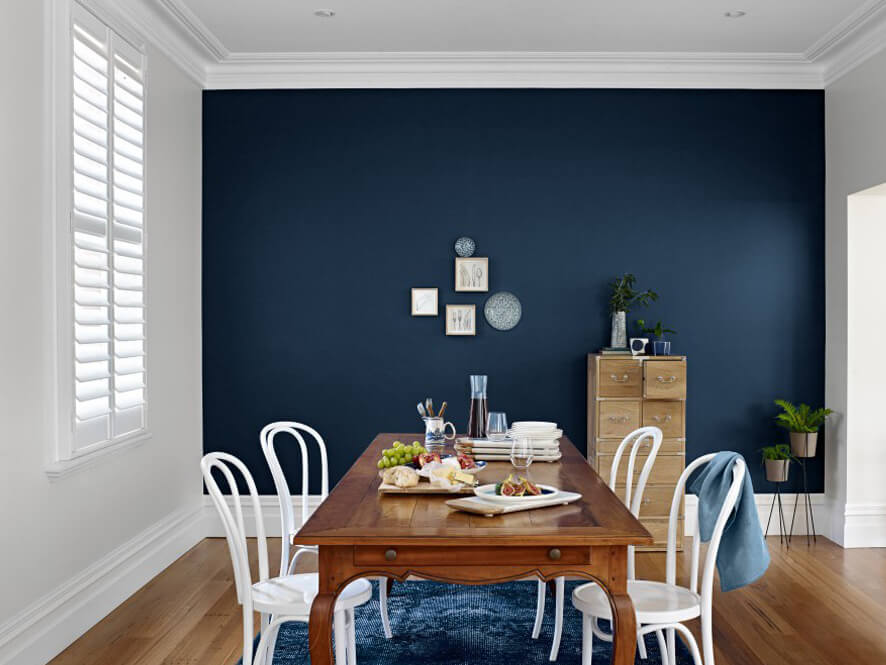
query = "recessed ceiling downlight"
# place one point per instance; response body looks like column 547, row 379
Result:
column 324, row 13
column 735, row 14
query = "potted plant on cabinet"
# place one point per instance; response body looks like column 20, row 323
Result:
column 624, row 297
column 777, row 461
column 660, row 345
column 803, row 424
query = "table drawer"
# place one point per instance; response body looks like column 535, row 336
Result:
column 620, row 378
column 395, row 555
column 667, row 416
column 617, row 419
column 665, row 471
column 664, row 379
column 668, row 446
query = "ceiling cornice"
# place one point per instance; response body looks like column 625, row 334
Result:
column 179, row 33
column 512, row 69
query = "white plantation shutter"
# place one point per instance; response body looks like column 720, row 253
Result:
column 108, row 234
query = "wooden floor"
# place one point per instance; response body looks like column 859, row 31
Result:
column 816, row 605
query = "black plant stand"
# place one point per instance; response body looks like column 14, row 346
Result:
column 783, row 536
column 807, row 504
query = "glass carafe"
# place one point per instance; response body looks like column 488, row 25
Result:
column 479, row 407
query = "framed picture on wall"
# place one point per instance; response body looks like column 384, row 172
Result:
column 472, row 273
column 461, row 320
column 424, row 301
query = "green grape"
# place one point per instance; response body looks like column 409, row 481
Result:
column 388, row 462
column 397, row 444
column 381, row 464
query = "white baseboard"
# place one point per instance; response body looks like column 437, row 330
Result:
column 864, row 525
column 45, row 628
column 270, row 509
column 820, row 511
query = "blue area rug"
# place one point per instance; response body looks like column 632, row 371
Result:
column 443, row 624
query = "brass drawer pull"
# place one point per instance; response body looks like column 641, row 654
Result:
column 647, row 500
column 659, row 419
column 618, row 419
column 390, row 555
column 554, row 554
column 669, row 379
column 624, row 378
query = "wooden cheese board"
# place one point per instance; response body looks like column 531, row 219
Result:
column 424, row 488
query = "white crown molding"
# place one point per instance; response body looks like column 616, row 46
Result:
column 180, row 34
column 512, row 69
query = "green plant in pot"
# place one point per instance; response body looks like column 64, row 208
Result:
column 803, row 424
column 624, row 297
column 660, row 345
column 777, row 460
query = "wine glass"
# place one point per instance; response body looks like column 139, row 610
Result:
column 496, row 426
column 521, row 454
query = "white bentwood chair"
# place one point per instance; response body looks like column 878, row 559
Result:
column 287, row 515
column 278, row 599
column 642, row 439
column 665, row 606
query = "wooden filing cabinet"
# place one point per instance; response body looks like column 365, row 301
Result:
column 625, row 393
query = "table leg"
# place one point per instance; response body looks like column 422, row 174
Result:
column 320, row 629
column 624, row 638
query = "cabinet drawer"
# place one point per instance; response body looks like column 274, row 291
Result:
column 377, row 555
column 620, row 378
column 667, row 416
column 668, row 446
column 665, row 379
column 617, row 419
column 656, row 500
column 658, row 527
column 666, row 470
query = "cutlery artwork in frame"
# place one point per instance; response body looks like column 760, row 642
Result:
column 461, row 320
column 472, row 274
column 424, row 301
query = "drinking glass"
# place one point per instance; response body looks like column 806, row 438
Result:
column 496, row 426
column 521, row 454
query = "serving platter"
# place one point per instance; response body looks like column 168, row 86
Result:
column 479, row 506
column 487, row 493
column 424, row 488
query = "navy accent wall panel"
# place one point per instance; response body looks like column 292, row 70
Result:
column 321, row 209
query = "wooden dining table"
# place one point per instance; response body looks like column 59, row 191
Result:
column 361, row 533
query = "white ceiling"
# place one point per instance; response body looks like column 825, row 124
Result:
column 614, row 26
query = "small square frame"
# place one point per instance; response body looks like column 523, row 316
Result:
column 473, row 310
column 467, row 260
column 415, row 311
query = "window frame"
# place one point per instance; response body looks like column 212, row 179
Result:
column 62, row 456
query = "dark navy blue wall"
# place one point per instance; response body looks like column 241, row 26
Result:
column 322, row 208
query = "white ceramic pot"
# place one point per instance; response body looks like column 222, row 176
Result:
column 619, row 337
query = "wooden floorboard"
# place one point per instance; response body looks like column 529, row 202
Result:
column 817, row 605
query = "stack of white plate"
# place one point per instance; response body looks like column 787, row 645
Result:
column 545, row 438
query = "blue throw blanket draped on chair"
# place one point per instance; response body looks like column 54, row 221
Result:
column 743, row 555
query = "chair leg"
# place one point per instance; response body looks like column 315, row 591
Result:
column 541, row 592
column 340, row 637
column 558, row 616
column 662, row 647
column 383, row 606
column 672, row 647
column 587, row 639
column 641, row 647
column 685, row 633
column 248, row 635
column 352, row 637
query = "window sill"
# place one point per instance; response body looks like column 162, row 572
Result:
column 61, row 468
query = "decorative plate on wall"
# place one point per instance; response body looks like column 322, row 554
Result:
column 465, row 246
column 503, row 310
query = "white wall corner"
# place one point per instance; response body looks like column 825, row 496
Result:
column 852, row 41
column 46, row 627
column 865, row 525
column 821, row 512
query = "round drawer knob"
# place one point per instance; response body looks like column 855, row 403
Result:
column 390, row 555
column 554, row 554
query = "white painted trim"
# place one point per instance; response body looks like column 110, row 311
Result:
column 820, row 508
column 526, row 70
column 49, row 625
column 61, row 468
column 852, row 41
column 270, row 511
column 196, row 29
column 865, row 525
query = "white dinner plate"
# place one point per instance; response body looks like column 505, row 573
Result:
column 533, row 424
column 487, row 492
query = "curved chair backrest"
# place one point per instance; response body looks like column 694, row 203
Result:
column 232, row 519
column 637, row 440
column 710, row 562
column 284, row 496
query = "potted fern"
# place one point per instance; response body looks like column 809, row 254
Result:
column 660, row 345
column 624, row 297
column 777, row 460
column 803, row 424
